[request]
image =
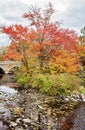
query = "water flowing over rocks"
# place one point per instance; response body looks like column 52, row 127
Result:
column 31, row 110
column 9, row 100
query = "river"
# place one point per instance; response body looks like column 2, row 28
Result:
column 8, row 100
column 30, row 110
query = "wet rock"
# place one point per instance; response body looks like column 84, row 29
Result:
column 3, row 125
column 19, row 120
column 82, row 96
column 27, row 121
column 43, row 127
column 17, row 111
column 5, row 113
column 19, row 129
column 12, row 123
column 40, row 107
column 54, row 127
column 9, row 101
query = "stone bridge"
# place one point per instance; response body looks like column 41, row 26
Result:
column 7, row 66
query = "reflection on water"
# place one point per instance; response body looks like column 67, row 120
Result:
column 8, row 80
column 7, row 96
column 6, row 85
column 1, row 75
column 6, row 93
column 4, row 79
column 8, row 101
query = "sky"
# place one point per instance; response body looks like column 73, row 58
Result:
column 70, row 13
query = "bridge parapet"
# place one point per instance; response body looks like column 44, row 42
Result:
column 8, row 65
column 8, row 62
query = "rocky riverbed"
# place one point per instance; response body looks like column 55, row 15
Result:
column 31, row 110
column 53, row 113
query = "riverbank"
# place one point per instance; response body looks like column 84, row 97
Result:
column 52, row 113
column 31, row 110
column 41, row 112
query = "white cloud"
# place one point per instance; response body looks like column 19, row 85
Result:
column 69, row 12
column 4, row 40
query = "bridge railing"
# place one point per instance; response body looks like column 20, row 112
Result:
column 9, row 62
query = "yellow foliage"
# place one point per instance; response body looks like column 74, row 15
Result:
column 64, row 61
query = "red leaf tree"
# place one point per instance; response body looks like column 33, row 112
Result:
column 43, row 36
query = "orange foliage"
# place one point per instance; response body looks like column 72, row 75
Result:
column 64, row 61
column 12, row 54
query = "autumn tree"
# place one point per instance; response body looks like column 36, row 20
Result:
column 81, row 46
column 42, row 36
column 45, row 48
column 49, row 35
column 20, row 43
column 81, row 53
column 64, row 62
column 83, row 30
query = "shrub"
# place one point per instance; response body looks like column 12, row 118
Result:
column 82, row 90
column 62, row 84
column 23, row 80
column 51, row 84
column 67, row 84
column 43, row 82
column 82, row 75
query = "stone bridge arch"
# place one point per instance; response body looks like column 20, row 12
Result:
column 12, row 69
column 2, row 71
column 6, row 66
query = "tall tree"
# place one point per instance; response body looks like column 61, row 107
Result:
column 49, row 35
column 81, row 47
column 42, row 37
